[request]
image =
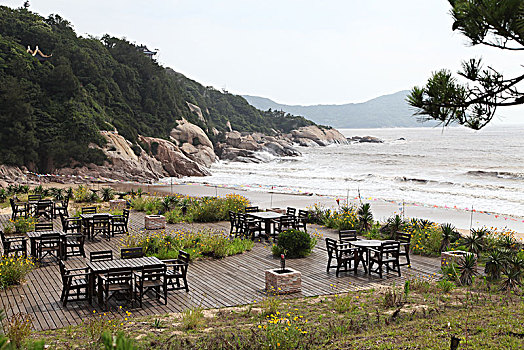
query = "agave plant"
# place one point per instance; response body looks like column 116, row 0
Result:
column 467, row 267
column 495, row 261
column 365, row 217
column 507, row 242
column 139, row 192
column 474, row 242
column 513, row 271
column 23, row 189
column 449, row 235
column 57, row 193
column 69, row 192
column 3, row 194
column 38, row 190
column 395, row 224
column 425, row 223
column 166, row 203
column 107, row 194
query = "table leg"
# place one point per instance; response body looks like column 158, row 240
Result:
column 91, row 290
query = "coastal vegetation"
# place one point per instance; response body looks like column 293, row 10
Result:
column 199, row 244
column 53, row 110
column 490, row 23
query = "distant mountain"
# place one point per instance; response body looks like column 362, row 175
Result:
column 386, row 111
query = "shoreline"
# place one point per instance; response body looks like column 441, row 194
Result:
column 382, row 209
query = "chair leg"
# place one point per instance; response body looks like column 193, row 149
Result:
column 407, row 257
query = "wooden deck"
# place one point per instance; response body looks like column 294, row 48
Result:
column 227, row 282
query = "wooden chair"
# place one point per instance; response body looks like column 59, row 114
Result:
column 176, row 273
column 73, row 245
column 75, row 283
column 233, row 220
column 386, row 255
column 71, row 224
column 49, row 244
column 405, row 243
column 347, row 235
column 43, row 227
column 291, row 211
column 44, row 208
column 100, row 225
column 18, row 209
column 252, row 228
column 151, row 278
column 281, row 224
column 301, row 220
column 89, row 210
column 101, row 255
column 344, row 255
column 131, row 253
column 251, row 209
column 119, row 223
column 60, row 207
column 13, row 244
column 116, row 281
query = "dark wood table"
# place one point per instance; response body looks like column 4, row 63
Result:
column 100, row 267
column 86, row 222
column 364, row 245
column 35, row 236
column 266, row 217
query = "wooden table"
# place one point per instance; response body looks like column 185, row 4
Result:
column 364, row 245
column 34, row 236
column 266, row 217
column 101, row 267
column 86, row 222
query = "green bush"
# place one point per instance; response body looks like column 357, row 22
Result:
column 294, row 244
column 14, row 269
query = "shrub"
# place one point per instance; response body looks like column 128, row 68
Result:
column 192, row 318
column 294, row 244
column 83, row 194
column 344, row 218
column 23, row 225
column 445, row 286
column 197, row 244
column 174, row 216
column 14, row 270
column 18, row 328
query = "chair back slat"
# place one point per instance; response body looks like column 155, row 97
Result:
column 291, row 211
column 41, row 227
column 347, row 235
column 89, row 210
column 101, row 255
column 130, row 253
column 252, row 209
column 34, row 197
column 403, row 237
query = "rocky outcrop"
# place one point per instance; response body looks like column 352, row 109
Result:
column 365, row 139
column 320, row 136
column 11, row 174
column 194, row 143
column 174, row 162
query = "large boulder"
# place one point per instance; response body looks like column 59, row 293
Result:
column 321, row 136
column 194, row 143
column 173, row 160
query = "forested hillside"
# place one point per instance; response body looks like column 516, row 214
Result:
column 52, row 110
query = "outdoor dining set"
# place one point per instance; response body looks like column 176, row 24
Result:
column 374, row 256
column 128, row 278
column 254, row 223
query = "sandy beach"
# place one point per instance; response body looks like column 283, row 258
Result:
column 381, row 209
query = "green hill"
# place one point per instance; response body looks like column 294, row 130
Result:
column 51, row 111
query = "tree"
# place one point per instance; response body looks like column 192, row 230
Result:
column 493, row 23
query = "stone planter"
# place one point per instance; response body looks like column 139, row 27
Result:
column 155, row 222
column 285, row 281
column 454, row 257
column 117, row 204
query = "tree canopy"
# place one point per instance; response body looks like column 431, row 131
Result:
column 473, row 101
column 51, row 111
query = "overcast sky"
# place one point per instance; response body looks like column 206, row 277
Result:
column 292, row 51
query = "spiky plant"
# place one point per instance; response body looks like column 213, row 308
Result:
column 69, row 192
column 365, row 217
column 107, row 194
column 474, row 242
column 139, row 192
column 37, row 190
column 3, row 194
column 425, row 223
column 449, row 235
column 495, row 261
column 513, row 272
column 23, row 189
column 166, row 203
column 467, row 267
column 395, row 224
column 57, row 193
column 507, row 242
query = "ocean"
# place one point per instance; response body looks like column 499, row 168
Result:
column 452, row 167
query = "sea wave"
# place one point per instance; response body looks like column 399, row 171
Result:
column 498, row 174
